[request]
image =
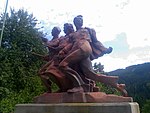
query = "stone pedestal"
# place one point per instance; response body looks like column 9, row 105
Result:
column 93, row 102
column 78, row 108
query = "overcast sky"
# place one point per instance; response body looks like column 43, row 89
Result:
column 121, row 24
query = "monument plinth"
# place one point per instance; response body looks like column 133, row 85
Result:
column 90, row 97
column 78, row 108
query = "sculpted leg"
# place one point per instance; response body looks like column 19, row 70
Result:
column 75, row 78
column 73, row 58
column 47, row 83
column 87, row 69
column 108, row 80
column 121, row 88
column 56, row 75
column 75, row 89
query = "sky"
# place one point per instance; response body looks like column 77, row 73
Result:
column 123, row 25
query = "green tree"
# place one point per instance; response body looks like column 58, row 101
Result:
column 98, row 68
column 19, row 82
column 146, row 107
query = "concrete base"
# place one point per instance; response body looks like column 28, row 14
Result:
column 124, row 107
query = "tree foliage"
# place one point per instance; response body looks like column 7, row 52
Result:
column 146, row 107
column 98, row 68
column 19, row 82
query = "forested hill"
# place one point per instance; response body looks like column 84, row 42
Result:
column 134, row 69
column 137, row 80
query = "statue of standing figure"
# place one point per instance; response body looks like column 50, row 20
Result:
column 69, row 60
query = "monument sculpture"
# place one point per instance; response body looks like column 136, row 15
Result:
column 68, row 65
column 69, row 60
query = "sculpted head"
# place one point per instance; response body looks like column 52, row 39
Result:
column 55, row 32
column 78, row 21
column 68, row 28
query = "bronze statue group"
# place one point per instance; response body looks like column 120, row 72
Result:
column 68, row 63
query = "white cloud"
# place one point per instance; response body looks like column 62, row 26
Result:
column 111, row 63
column 134, row 56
